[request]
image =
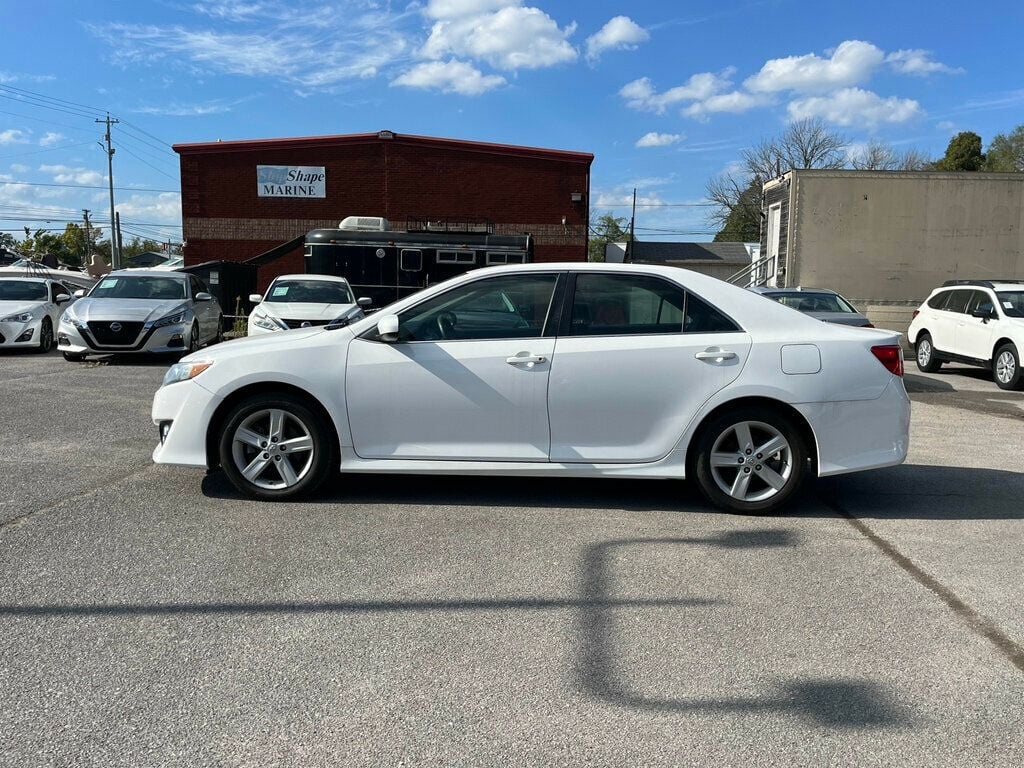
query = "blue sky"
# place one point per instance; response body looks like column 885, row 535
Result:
column 665, row 94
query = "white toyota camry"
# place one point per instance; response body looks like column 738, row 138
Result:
column 583, row 370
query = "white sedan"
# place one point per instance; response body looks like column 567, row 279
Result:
column 583, row 370
column 302, row 301
column 30, row 310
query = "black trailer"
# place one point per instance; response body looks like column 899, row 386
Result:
column 389, row 265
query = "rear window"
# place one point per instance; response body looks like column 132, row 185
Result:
column 814, row 302
column 958, row 301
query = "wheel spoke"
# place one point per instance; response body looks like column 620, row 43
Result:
column 255, row 468
column 726, row 459
column 772, row 447
column 297, row 444
column 743, row 436
column 770, row 476
column 739, row 485
column 285, row 470
column 249, row 437
column 276, row 423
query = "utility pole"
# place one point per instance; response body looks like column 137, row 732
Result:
column 632, row 228
column 117, row 229
column 88, row 238
column 115, row 252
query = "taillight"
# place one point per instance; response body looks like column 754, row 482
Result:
column 891, row 356
column 916, row 313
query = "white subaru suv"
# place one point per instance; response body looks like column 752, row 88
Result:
column 977, row 322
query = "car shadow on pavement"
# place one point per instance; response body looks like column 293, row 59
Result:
column 921, row 384
column 132, row 361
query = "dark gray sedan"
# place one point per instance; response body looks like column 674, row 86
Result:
column 820, row 303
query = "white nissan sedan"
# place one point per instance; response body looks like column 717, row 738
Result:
column 301, row 301
column 582, row 370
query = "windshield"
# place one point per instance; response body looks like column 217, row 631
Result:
column 21, row 290
column 1012, row 303
column 813, row 302
column 133, row 287
column 310, row 292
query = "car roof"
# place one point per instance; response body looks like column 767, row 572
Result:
column 797, row 290
column 27, row 279
column 325, row 278
column 146, row 273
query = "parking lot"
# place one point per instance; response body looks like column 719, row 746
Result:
column 151, row 616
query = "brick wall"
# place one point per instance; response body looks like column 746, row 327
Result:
column 223, row 217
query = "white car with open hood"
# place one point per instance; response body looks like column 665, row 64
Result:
column 141, row 311
column 303, row 301
column 584, row 370
column 30, row 310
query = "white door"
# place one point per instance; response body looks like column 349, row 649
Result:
column 635, row 359
column 467, row 379
column 975, row 336
column 774, row 227
column 944, row 325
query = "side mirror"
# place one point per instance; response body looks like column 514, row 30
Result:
column 62, row 298
column 984, row 314
column 364, row 301
column 387, row 328
column 255, row 298
column 204, row 296
column 79, row 293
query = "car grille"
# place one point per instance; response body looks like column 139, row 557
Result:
column 125, row 335
column 301, row 323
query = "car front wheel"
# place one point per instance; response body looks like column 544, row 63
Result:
column 750, row 461
column 46, row 336
column 275, row 447
column 1006, row 368
column 926, row 360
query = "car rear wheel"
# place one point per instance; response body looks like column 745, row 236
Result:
column 275, row 447
column 751, row 460
column 46, row 336
column 926, row 360
column 1006, row 368
column 193, row 339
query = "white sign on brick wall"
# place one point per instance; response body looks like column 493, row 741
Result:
column 291, row 181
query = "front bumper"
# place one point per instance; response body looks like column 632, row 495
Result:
column 13, row 335
column 166, row 340
column 182, row 413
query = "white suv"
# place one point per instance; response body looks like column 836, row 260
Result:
column 978, row 322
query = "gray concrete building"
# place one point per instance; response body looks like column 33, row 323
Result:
column 885, row 239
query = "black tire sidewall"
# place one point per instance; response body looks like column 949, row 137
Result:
column 44, row 326
column 323, row 446
column 72, row 357
column 1017, row 380
column 701, row 464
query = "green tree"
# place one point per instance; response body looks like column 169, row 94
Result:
column 963, row 153
column 140, row 245
column 8, row 241
column 607, row 229
column 1006, row 152
column 743, row 224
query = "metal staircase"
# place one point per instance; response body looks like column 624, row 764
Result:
column 755, row 274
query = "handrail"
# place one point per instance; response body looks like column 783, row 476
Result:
column 753, row 269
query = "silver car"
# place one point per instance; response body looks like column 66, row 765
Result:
column 820, row 303
column 140, row 311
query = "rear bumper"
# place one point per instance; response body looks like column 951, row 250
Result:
column 863, row 434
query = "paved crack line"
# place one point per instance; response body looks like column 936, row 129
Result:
column 976, row 622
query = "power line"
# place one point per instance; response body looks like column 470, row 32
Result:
column 50, row 149
column 145, row 162
column 146, row 133
column 48, row 122
column 128, row 131
column 52, row 98
column 88, row 186
column 43, row 105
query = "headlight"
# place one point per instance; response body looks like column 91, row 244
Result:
column 176, row 319
column 72, row 320
column 185, row 371
column 24, row 317
column 265, row 322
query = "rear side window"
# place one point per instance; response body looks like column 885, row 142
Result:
column 701, row 317
column 615, row 305
column 938, row 301
column 958, row 301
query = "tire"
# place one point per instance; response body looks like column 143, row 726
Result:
column 220, row 331
column 74, row 357
column 924, row 351
column 46, row 340
column 772, row 479
column 266, row 465
column 1006, row 368
column 193, row 339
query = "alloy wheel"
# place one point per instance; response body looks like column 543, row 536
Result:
column 1005, row 367
column 924, row 353
column 751, row 461
column 272, row 449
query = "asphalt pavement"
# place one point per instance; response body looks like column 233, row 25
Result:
column 152, row 617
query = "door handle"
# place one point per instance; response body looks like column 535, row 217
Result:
column 716, row 355
column 524, row 359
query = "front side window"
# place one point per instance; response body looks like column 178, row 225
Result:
column 22, row 290
column 1012, row 303
column 506, row 307
column 132, row 287
column 613, row 305
column 197, row 286
column 979, row 300
column 958, row 301
column 310, row 292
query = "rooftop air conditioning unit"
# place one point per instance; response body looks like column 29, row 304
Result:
column 365, row 223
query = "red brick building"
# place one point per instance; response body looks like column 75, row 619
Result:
column 316, row 182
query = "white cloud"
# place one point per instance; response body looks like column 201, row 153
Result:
column 14, row 77
column 943, row 125
column 20, row 168
column 178, row 109
column 164, row 208
column 735, row 102
column 620, row 33
column 624, row 199
column 50, row 138
column 13, row 136
column 852, row 62
column 654, row 139
column 449, row 77
column 855, row 107
column 914, row 61
column 640, row 94
column 511, row 38
column 453, row 9
column 63, row 174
